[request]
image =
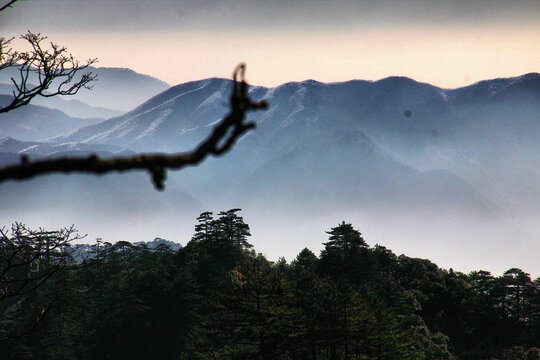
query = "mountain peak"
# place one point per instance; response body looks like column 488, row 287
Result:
column 400, row 81
column 500, row 83
column 126, row 72
column 311, row 82
column 530, row 76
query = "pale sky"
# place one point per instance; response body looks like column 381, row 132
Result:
column 445, row 43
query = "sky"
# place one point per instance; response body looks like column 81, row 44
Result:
column 448, row 43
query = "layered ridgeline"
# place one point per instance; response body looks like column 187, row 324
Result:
column 115, row 91
column 451, row 175
column 34, row 122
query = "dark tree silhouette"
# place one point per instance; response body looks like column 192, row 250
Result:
column 28, row 261
column 344, row 237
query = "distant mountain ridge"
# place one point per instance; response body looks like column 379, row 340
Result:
column 10, row 145
column 179, row 110
column 82, row 252
column 70, row 107
column 33, row 122
column 121, row 88
column 175, row 118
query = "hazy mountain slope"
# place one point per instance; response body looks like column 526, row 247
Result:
column 352, row 172
column 121, row 89
column 115, row 206
column 70, row 107
column 33, row 122
column 77, row 108
column 171, row 121
column 477, row 132
column 10, row 145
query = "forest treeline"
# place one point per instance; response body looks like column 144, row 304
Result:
column 217, row 298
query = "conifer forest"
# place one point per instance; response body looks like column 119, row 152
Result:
column 217, row 298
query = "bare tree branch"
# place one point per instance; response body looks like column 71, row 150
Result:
column 29, row 262
column 53, row 70
column 222, row 138
column 29, row 258
column 8, row 57
column 8, row 5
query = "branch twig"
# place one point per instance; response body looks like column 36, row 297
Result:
column 8, row 5
column 222, row 138
column 53, row 69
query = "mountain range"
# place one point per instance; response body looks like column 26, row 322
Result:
column 427, row 170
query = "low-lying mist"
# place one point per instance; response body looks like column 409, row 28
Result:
column 462, row 241
column 448, row 175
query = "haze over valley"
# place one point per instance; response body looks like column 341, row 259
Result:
column 446, row 174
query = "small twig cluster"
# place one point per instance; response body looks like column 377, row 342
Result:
column 42, row 71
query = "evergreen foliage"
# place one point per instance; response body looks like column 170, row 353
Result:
column 216, row 298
